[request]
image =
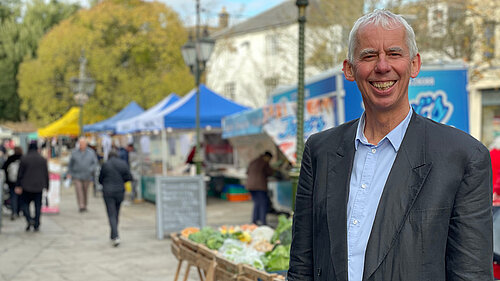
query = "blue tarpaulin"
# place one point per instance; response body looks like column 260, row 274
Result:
column 182, row 115
column 135, row 124
column 131, row 110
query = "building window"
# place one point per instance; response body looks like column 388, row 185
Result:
column 272, row 44
column 230, row 90
column 489, row 36
column 270, row 83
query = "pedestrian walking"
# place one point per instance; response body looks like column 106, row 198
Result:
column 391, row 195
column 11, row 169
column 257, row 173
column 82, row 164
column 114, row 173
column 32, row 179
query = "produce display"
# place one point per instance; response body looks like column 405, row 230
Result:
column 262, row 247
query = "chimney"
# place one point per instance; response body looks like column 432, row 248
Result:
column 223, row 18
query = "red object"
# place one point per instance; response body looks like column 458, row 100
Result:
column 496, row 270
column 495, row 167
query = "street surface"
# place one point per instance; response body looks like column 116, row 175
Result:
column 75, row 246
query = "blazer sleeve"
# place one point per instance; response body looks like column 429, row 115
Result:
column 469, row 251
column 301, row 253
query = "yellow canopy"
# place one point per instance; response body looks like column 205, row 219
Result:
column 66, row 125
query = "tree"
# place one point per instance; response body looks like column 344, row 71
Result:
column 19, row 38
column 133, row 52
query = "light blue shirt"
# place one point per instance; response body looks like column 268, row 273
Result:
column 372, row 164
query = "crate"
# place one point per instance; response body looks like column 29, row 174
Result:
column 235, row 193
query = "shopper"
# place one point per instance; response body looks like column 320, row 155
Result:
column 33, row 177
column 114, row 174
column 81, row 169
column 11, row 168
column 257, row 173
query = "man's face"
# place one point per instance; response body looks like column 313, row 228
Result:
column 382, row 68
column 83, row 144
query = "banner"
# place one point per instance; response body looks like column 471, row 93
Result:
column 280, row 122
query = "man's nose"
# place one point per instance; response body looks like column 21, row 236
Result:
column 382, row 64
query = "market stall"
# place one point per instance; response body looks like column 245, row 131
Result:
column 246, row 252
column 66, row 125
column 109, row 125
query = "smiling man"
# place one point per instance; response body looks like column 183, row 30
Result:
column 392, row 195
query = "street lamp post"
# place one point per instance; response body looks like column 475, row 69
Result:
column 301, row 4
column 195, row 55
column 83, row 87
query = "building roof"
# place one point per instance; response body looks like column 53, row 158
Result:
column 283, row 14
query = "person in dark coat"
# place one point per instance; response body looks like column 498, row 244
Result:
column 32, row 178
column 114, row 173
column 257, row 173
column 11, row 163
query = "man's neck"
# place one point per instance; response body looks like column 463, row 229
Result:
column 378, row 125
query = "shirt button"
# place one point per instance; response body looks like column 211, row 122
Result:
column 374, row 150
column 355, row 222
column 363, row 186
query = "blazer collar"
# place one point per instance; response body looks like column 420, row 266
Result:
column 408, row 173
column 340, row 163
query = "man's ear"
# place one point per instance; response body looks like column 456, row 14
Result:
column 348, row 71
column 415, row 65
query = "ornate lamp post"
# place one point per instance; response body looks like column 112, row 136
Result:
column 196, row 53
column 83, row 87
column 301, row 4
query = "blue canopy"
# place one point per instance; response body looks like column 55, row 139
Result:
column 135, row 124
column 213, row 107
column 131, row 110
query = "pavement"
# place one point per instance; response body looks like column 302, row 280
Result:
column 76, row 246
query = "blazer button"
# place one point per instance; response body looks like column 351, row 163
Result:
column 318, row 271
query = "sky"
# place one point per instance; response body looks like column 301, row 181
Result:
column 239, row 10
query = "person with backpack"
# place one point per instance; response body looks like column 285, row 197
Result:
column 11, row 168
column 114, row 173
column 32, row 179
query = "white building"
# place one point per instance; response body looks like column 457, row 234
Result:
column 252, row 58
column 485, row 71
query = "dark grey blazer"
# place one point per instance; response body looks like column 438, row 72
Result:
column 434, row 219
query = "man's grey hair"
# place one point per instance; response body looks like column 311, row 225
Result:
column 386, row 20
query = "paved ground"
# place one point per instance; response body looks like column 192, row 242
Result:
column 75, row 246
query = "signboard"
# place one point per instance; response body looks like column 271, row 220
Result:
column 442, row 96
column 280, row 121
column 180, row 203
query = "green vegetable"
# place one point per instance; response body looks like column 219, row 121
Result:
column 202, row 236
column 284, row 224
column 278, row 259
column 215, row 241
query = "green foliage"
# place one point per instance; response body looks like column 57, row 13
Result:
column 284, row 225
column 19, row 38
column 278, row 259
column 133, row 52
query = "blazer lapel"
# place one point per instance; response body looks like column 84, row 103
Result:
column 338, row 176
column 403, row 185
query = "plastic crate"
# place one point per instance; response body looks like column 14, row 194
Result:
column 238, row 197
column 234, row 189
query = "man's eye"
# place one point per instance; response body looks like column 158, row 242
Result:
column 395, row 54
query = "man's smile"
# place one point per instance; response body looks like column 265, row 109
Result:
column 383, row 85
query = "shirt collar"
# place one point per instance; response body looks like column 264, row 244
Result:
column 395, row 136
